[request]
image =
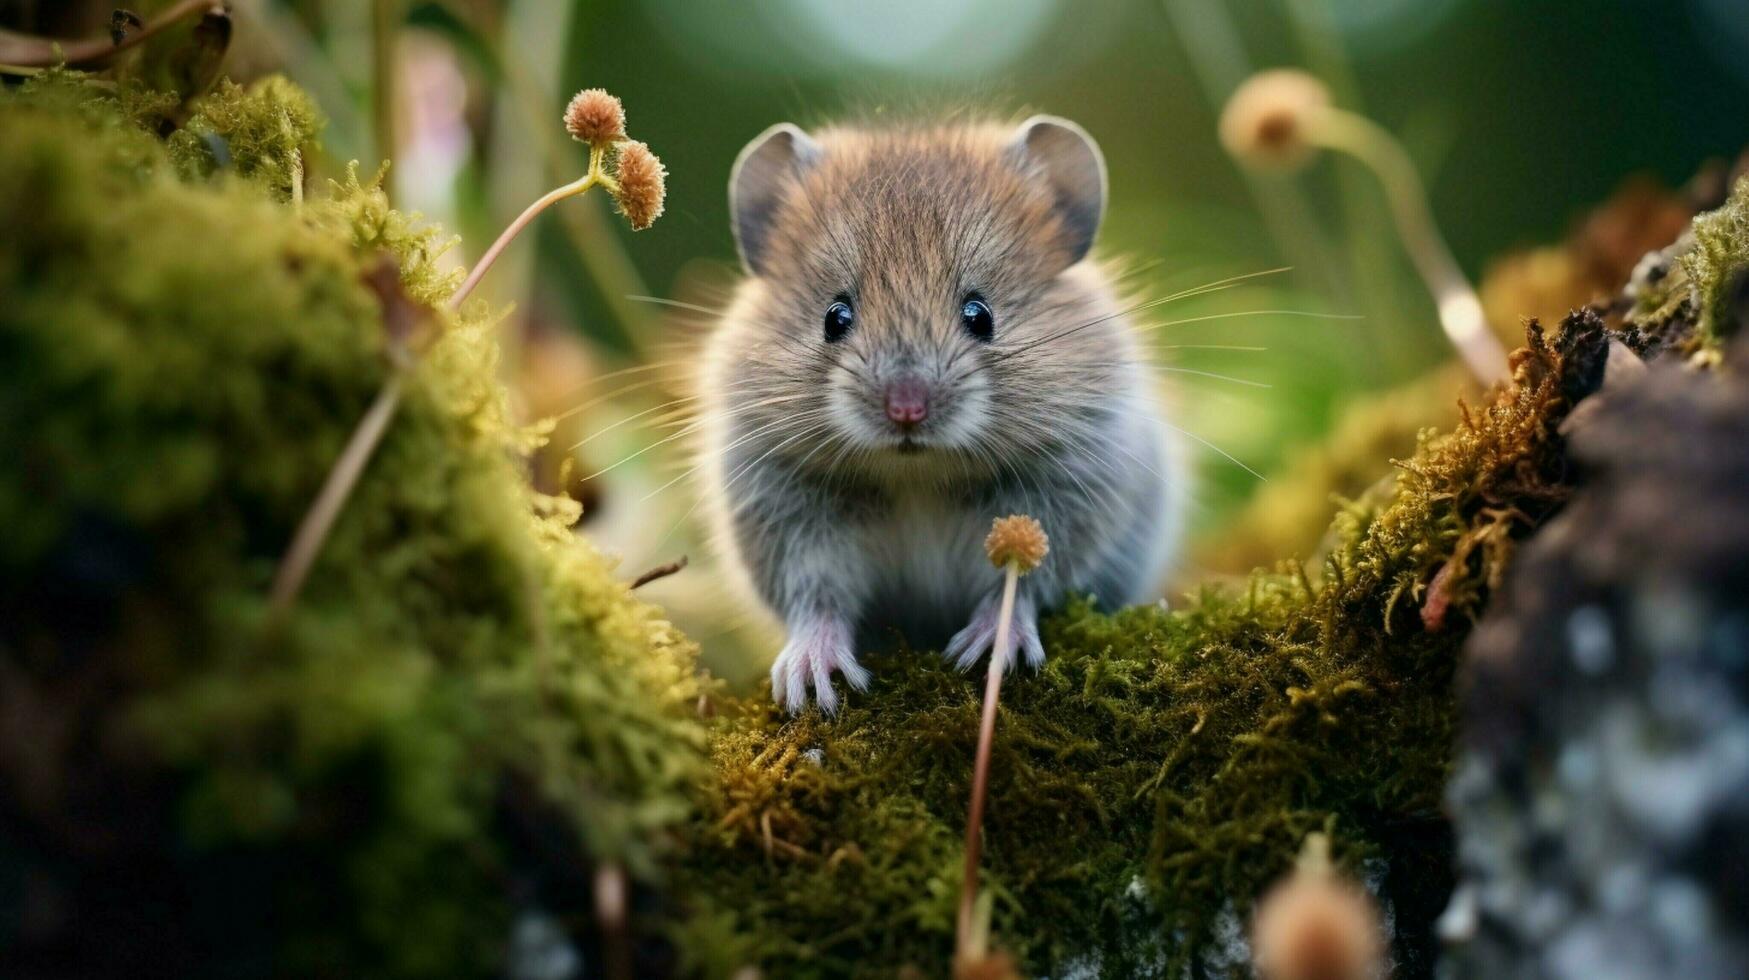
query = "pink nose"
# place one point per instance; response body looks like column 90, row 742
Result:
column 907, row 402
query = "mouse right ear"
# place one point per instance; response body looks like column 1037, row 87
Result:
column 756, row 185
column 1075, row 169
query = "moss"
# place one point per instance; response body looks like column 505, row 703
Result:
column 464, row 712
column 1690, row 296
column 1162, row 766
column 265, row 133
column 1716, row 264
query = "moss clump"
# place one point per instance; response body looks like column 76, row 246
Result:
column 266, row 132
column 1717, row 264
column 1162, row 766
column 464, row 712
column 1692, row 296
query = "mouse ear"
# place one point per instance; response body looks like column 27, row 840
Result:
column 756, row 186
column 1071, row 162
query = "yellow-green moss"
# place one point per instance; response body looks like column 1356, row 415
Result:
column 1161, row 767
column 1717, row 262
column 266, row 132
column 465, row 710
column 1692, row 294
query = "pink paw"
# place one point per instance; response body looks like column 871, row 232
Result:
column 815, row 649
column 969, row 644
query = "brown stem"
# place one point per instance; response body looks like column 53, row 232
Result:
column 660, row 571
column 40, row 52
column 981, row 767
column 319, row 519
column 604, row 259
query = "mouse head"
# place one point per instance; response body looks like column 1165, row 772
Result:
column 923, row 288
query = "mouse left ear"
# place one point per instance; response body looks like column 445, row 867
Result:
column 1071, row 163
column 763, row 171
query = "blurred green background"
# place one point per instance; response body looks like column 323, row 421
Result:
column 1519, row 115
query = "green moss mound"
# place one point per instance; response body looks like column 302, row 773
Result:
column 266, row 132
column 1163, row 766
column 463, row 714
column 1690, row 296
column 1717, row 265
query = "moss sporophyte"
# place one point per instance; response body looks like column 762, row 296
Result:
column 1016, row 544
column 1278, row 119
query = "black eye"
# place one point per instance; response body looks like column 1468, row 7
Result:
column 976, row 316
column 839, row 318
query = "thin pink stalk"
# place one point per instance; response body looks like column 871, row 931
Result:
column 547, row 200
column 981, row 767
column 610, row 914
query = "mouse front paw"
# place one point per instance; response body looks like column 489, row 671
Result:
column 969, row 644
column 816, row 648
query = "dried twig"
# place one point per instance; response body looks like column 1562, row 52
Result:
column 41, row 52
column 402, row 323
column 288, row 581
column 660, row 571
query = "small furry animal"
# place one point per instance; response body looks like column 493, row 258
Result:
column 921, row 345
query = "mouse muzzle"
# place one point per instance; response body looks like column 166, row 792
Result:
column 907, row 401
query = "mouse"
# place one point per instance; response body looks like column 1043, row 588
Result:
column 921, row 342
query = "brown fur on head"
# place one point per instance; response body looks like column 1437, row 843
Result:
column 906, row 226
column 905, row 188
